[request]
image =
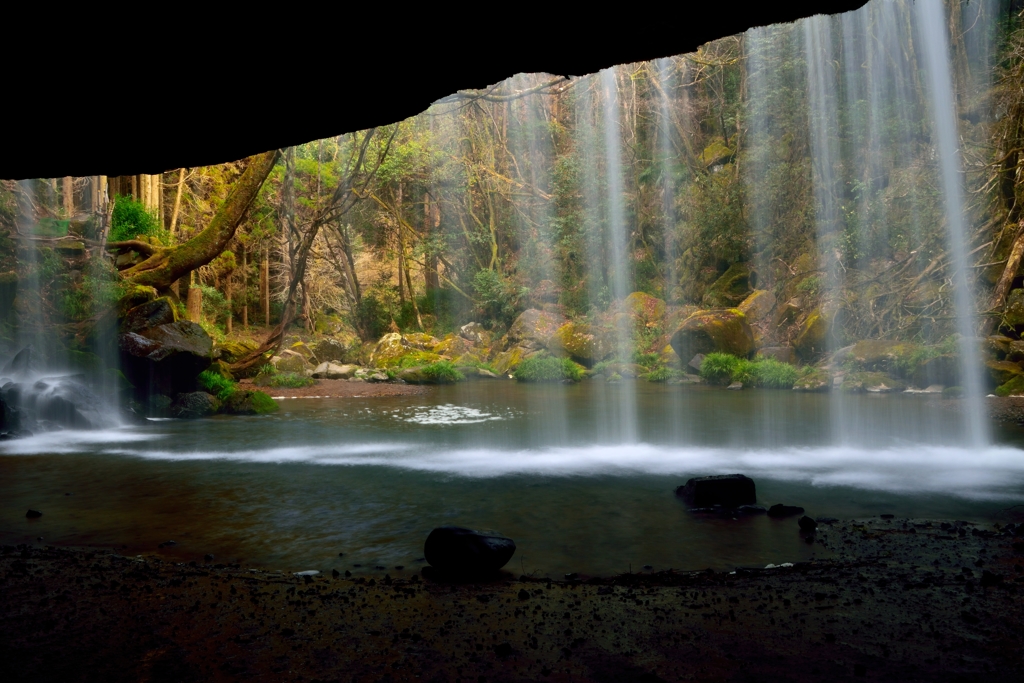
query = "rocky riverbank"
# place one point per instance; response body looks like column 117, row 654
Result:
column 907, row 600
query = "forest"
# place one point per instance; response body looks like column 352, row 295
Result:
column 767, row 178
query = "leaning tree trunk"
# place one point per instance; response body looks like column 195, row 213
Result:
column 164, row 265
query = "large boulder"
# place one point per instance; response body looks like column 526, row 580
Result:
column 194, row 405
column 814, row 380
column 233, row 350
column 725, row 330
column 54, row 402
column 580, row 342
column 647, row 309
column 475, row 334
column 343, row 349
column 24, row 363
column 533, row 329
column 1013, row 312
column 878, row 354
column 461, row 551
column 727, row 490
column 150, row 314
column 396, row 350
column 334, row 371
column 247, row 402
column 758, row 305
column 812, row 340
column 734, row 285
column 1002, row 371
column 165, row 359
column 291, row 361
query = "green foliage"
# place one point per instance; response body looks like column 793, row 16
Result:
column 215, row 306
column 289, row 380
column 773, row 374
column 810, row 286
column 442, row 372
column 497, row 297
column 216, row 384
column 377, row 309
column 548, row 369
column 662, row 374
column 724, row 368
column 130, row 220
column 718, row 368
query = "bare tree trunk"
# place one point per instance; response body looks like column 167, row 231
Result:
column 265, row 285
column 401, row 246
column 177, row 200
column 194, row 306
column 245, row 289
column 227, row 295
column 68, row 187
column 1006, row 279
column 431, row 220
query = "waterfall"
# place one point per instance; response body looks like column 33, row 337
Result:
column 931, row 26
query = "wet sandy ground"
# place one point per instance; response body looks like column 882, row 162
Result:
column 905, row 600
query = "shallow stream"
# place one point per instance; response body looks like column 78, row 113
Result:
column 546, row 465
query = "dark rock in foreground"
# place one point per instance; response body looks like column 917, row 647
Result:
column 780, row 510
column 457, row 550
column 807, row 524
column 33, row 514
column 727, row 490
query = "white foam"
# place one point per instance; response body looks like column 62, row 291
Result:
column 449, row 414
column 995, row 472
column 73, row 441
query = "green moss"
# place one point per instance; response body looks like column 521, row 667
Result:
column 548, row 369
column 249, row 403
column 1014, row 387
column 662, row 374
column 770, row 373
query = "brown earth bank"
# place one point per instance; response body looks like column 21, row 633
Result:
column 900, row 600
column 340, row 388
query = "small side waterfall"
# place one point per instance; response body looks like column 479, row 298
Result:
column 931, row 25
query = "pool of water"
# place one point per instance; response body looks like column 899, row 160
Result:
column 579, row 476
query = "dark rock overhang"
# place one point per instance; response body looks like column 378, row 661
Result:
column 202, row 93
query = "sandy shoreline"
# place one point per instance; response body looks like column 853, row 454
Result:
column 340, row 388
column 901, row 600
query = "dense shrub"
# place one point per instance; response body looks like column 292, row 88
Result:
column 723, row 368
column 548, row 369
column 442, row 372
column 130, row 220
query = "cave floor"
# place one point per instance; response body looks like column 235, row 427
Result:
column 902, row 600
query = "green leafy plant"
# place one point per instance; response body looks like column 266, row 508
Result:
column 443, row 372
column 662, row 374
column 773, row 374
column 216, row 384
column 130, row 220
column 548, row 369
column 718, row 368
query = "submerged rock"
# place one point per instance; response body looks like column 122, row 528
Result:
column 248, row 403
column 727, row 490
column 807, row 524
column 33, row 514
column 194, row 405
column 780, row 510
column 461, row 551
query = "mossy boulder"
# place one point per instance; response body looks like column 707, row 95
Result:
column 1013, row 387
column 451, row 346
column 783, row 354
column 647, row 309
column 291, row 362
column 1013, row 311
column 343, row 348
column 580, row 342
column 136, row 295
column 813, row 379
column 717, row 152
column 248, row 402
column 475, row 333
column 301, row 348
column 812, row 340
column 219, row 367
column 393, row 351
column 233, row 350
column 1002, row 371
column 732, row 287
column 165, row 359
column 159, row 311
column 880, row 355
column 871, row 382
column 194, row 405
column 507, row 361
column 758, row 305
column 533, row 329
column 724, row 330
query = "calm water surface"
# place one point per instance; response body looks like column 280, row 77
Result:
column 546, row 465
